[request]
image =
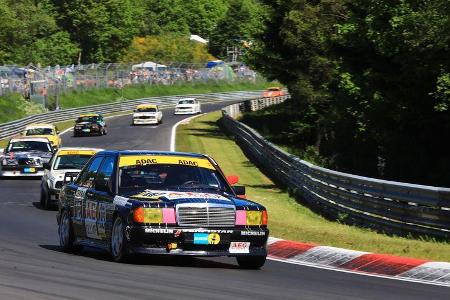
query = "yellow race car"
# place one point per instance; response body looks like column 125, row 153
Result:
column 48, row 131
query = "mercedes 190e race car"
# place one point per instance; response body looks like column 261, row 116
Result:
column 147, row 114
column 188, row 106
column 161, row 203
column 89, row 124
column 67, row 162
column 25, row 156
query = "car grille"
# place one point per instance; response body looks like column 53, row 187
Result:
column 27, row 161
column 145, row 117
column 206, row 215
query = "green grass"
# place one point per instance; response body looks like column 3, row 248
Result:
column 287, row 218
column 100, row 96
column 13, row 107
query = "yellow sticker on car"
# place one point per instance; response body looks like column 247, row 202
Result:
column 213, row 239
column 142, row 160
column 76, row 152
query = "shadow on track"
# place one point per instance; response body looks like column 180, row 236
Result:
column 150, row 260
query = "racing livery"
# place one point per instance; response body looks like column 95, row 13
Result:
column 147, row 114
column 89, row 124
column 274, row 91
column 66, row 162
column 25, row 156
column 171, row 203
column 187, row 106
column 48, row 131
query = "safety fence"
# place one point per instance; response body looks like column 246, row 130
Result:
column 39, row 84
column 389, row 206
column 15, row 127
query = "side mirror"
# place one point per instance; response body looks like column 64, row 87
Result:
column 46, row 166
column 103, row 186
column 233, row 179
column 239, row 190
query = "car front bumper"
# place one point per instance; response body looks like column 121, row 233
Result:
column 185, row 112
column 86, row 132
column 182, row 241
column 145, row 121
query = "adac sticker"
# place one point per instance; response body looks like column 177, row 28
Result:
column 142, row 160
column 76, row 152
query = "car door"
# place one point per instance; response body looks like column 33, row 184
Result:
column 103, row 194
column 84, row 198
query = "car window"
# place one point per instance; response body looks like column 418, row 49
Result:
column 146, row 109
column 40, row 131
column 20, row 146
column 106, row 169
column 74, row 161
column 88, row 175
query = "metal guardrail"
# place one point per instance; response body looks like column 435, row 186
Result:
column 15, row 127
column 394, row 207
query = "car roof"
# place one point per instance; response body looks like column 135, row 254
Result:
column 89, row 115
column 274, row 88
column 148, row 152
column 187, row 99
column 36, row 139
column 40, row 125
column 147, row 106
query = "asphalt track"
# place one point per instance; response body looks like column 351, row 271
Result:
column 33, row 267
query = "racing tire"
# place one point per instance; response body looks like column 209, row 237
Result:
column 66, row 235
column 105, row 132
column 45, row 199
column 251, row 262
column 118, row 244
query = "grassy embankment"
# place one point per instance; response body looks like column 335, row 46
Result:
column 287, row 218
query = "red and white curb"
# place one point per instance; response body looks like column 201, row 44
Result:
column 365, row 263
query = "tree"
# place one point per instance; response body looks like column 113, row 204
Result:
column 241, row 21
column 166, row 49
column 102, row 28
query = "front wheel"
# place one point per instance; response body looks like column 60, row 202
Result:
column 251, row 262
column 118, row 243
column 65, row 232
column 45, row 199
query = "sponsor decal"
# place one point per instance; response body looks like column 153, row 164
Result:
column 76, row 152
column 159, row 230
column 213, row 238
column 239, row 247
column 201, row 238
column 90, row 220
column 140, row 160
column 78, row 203
column 220, row 231
column 253, row 233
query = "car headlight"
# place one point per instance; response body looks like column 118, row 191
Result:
column 154, row 215
column 251, row 217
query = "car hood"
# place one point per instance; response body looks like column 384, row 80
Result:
column 51, row 138
column 29, row 154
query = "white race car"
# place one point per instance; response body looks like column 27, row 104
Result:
column 188, row 106
column 147, row 114
column 67, row 162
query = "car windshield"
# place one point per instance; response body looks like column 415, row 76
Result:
column 186, row 102
column 29, row 146
column 169, row 177
column 87, row 119
column 146, row 109
column 75, row 161
column 39, row 131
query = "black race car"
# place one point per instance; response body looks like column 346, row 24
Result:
column 161, row 203
column 89, row 124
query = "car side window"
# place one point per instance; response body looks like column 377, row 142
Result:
column 87, row 177
column 106, row 170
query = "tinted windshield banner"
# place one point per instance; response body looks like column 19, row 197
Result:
column 142, row 160
column 76, row 152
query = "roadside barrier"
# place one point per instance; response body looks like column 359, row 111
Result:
column 14, row 127
column 393, row 207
